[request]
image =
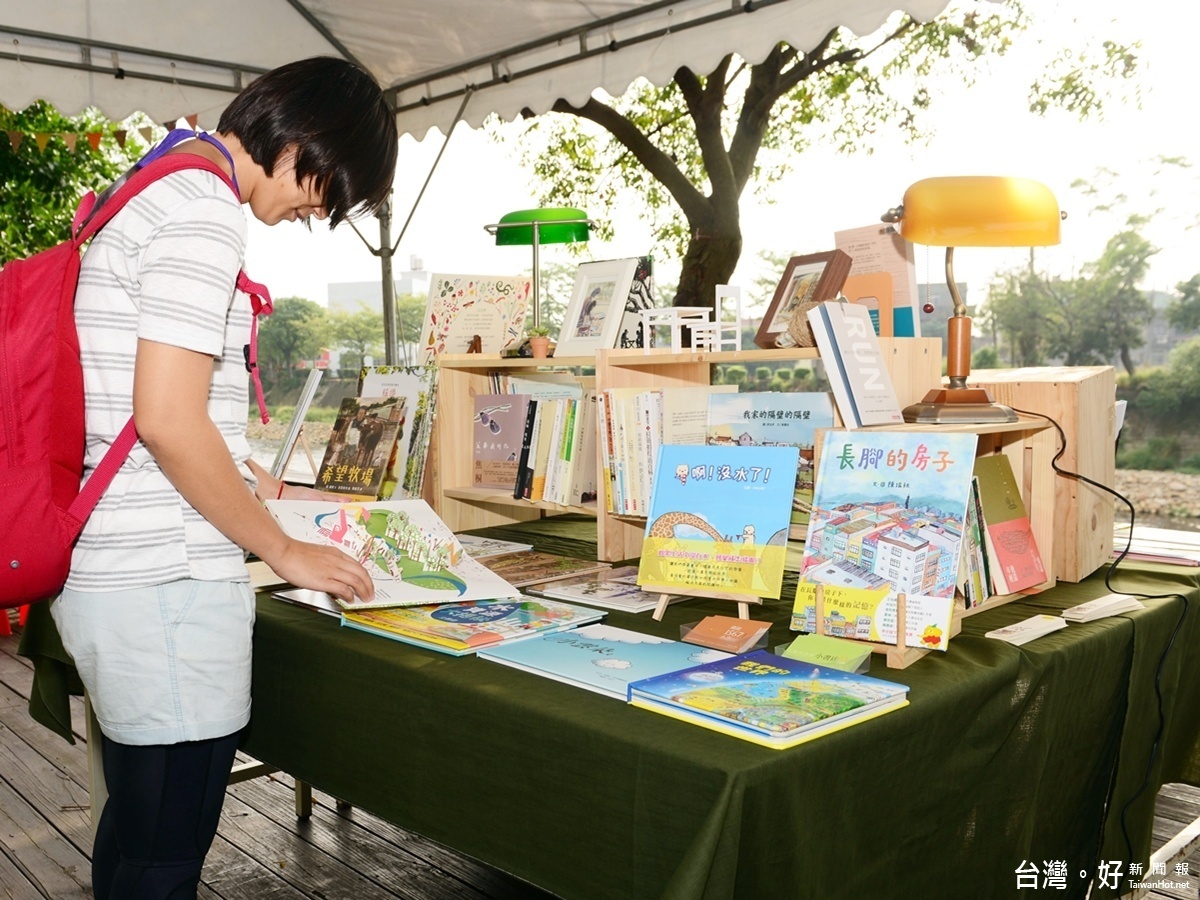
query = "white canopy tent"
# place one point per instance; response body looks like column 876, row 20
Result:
column 440, row 60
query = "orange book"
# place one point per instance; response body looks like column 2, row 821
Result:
column 727, row 633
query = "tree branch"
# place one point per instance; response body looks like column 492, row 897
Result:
column 657, row 163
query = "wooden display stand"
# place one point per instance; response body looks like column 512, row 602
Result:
column 743, row 601
column 914, row 364
column 898, row 655
column 1080, row 399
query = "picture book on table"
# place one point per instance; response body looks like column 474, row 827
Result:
column 610, row 589
column 467, row 626
column 1014, row 561
column 496, row 434
column 360, row 446
column 771, row 419
column 718, row 519
column 601, row 658
column 479, row 546
column 888, row 515
column 768, row 699
column 532, row 566
column 417, row 387
column 412, row 557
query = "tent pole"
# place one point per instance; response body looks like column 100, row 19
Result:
column 386, row 252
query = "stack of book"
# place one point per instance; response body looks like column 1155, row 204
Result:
column 532, row 566
column 613, row 589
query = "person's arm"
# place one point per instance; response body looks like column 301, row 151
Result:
column 170, row 409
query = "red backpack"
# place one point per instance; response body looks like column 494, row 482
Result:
column 42, row 507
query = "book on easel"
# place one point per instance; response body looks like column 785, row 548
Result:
column 718, row 520
column 360, row 446
column 295, row 430
column 417, row 385
column 888, row 514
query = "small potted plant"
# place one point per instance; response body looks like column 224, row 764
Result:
column 539, row 340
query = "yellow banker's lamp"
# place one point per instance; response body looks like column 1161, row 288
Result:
column 548, row 225
column 971, row 211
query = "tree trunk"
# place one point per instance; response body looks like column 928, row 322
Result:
column 712, row 255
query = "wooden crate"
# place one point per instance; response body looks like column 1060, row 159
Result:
column 1081, row 400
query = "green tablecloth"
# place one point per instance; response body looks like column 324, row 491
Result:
column 1040, row 753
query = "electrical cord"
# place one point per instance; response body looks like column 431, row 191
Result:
column 1158, row 672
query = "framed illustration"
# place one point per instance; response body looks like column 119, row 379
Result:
column 463, row 306
column 593, row 317
column 806, row 281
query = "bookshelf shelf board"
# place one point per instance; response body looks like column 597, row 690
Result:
column 665, row 356
column 1023, row 423
column 491, row 361
column 500, row 497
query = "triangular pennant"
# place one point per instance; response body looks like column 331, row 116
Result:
column 120, row 136
column 192, row 120
column 93, row 139
column 42, row 140
column 70, row 140
column 15, row 138
column 147, row 133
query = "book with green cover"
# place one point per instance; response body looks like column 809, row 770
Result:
column 463, row 628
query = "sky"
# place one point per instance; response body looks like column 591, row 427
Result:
column 984, row 130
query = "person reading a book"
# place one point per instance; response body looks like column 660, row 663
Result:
column 157, row 611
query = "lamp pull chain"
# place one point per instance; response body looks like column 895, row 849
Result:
column 928, row 307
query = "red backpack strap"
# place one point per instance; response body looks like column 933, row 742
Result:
column 89, row 495
column 134, row 184
column 260, row 305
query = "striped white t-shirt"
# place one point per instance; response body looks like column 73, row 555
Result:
column 164, row 270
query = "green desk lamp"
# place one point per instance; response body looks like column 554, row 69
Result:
column 552, row 225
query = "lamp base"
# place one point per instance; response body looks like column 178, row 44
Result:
column 958, row 406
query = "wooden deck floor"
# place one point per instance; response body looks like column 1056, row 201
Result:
column 262, row 851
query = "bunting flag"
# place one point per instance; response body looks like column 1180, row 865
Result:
column 93, row 138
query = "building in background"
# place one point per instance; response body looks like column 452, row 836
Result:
column 351, row 296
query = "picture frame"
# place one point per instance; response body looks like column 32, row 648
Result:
column 806, row 280
column 593, row 317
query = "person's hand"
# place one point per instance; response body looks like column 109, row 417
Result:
column 321, row 568
column 271, row 488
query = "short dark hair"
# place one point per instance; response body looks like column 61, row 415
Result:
column 335, row 115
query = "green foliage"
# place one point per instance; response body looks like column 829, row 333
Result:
column 1161, row 454
column 762, row 374
column 985, row 358
column 295, row 331
column 323, row 414
column 1184, row 311
column 357, row 334
column 42, row 187
column 734, row 375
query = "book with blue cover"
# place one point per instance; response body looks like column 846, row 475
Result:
column 773, row 419
column 768, row 699
column 601, row 658
column 719, row 519
column 462, row 628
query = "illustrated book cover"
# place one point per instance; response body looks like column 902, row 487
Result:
column 771, row 419
column 768, row 699
column 467, row 626
column 461, row 307
column 718, row 519
column 888, row 517
column 497, row 432
column 853, row 358
column 532, row 566
column 417, row 387
column 360, row 446
column 412, row 557
column 1014, row 561
column 601, row 658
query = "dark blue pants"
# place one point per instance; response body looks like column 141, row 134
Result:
column 163, row 806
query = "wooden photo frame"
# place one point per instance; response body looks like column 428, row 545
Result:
column 593, row 317
column 807, row 280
